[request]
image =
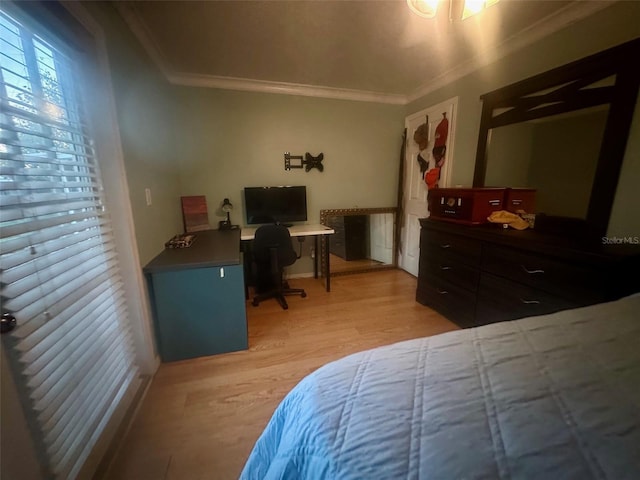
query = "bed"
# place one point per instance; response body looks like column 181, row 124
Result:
column 554, row 396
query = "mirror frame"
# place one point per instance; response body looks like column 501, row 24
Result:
column 360, row 211
column 531, row 99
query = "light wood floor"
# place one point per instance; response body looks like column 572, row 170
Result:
column 341, row 265
column 201, row 417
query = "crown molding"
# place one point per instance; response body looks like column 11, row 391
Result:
column 283, row 88
column 536, row 31
column 554, row 22
column 139, row 29
column 128, row 13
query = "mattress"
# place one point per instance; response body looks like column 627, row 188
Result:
column 554, row 396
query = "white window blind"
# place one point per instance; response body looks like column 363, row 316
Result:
column 59, row 270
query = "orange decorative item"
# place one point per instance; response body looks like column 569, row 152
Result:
column 432, row 177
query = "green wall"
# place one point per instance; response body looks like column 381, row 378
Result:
column 145, row 108
column 197, row 141
column 557, row 156
column 231, row 140
column 612, row 26
column 510, row 152
column 625, row 217
column 563, row 164
column 235, row 139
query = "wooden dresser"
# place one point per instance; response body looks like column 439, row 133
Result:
column 484, row 274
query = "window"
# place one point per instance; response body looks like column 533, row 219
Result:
column 59, row 268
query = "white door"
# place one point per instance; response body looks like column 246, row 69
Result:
column 381, row 230
column 414, row 199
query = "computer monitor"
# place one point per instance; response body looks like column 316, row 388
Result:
column 282, row 204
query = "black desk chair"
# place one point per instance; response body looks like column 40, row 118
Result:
column 272, row 251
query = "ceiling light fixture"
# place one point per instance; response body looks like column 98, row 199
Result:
column 458, row 9
column 424, row 8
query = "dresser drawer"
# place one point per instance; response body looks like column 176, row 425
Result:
column 492, row 274
column 449, row 269
column 572, row 281
column 500, row 299
column 452, row 247
column 455, row 303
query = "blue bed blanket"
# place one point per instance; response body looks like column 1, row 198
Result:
column 555, row 396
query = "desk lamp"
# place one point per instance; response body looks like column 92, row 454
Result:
column 226, row 207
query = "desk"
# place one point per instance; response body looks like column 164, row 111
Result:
column 197, row 297
column 314, row 231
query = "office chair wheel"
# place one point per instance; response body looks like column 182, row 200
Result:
column 303, row 294
column 254, row 302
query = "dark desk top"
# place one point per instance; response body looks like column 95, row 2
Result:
column 210, row 248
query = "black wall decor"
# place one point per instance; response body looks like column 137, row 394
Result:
column 308, row 162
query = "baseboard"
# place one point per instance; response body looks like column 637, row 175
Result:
column 113, row 449
column 299, row 275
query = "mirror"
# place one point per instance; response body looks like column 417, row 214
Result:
column 563, row 132
column 555, row 155
column 364, row 240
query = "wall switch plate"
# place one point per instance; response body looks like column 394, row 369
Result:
column 147, row 196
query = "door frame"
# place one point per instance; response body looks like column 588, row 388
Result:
column 446, row 173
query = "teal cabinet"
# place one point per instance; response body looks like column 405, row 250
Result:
column 197, row 297
column 199, row 311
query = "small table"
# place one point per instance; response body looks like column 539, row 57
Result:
column 316, row 231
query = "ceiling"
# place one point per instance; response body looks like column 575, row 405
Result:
column 363, row 50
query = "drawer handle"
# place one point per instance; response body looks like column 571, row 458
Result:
column 530, row 302
column 445, row 267
column 530, row 272
column 445, row 245
column 442, row 292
